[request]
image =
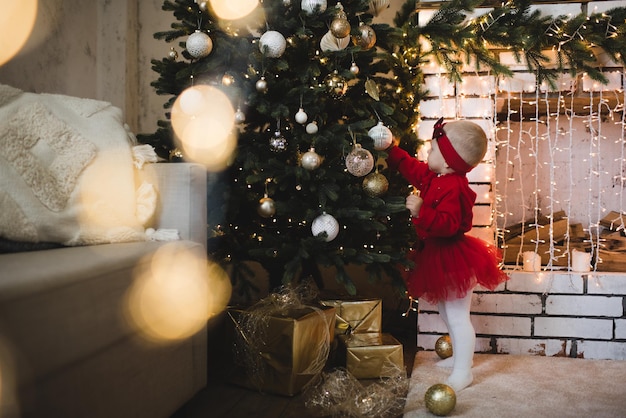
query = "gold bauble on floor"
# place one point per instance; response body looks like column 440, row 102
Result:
column 440, row 399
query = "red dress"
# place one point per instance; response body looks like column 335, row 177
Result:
column 448, row 263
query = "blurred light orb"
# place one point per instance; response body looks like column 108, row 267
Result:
column 203, row 119
column 16, row 24
column 192, row 101
column 176, row 290
column 233, row 9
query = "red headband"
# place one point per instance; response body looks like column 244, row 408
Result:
column 453, row 159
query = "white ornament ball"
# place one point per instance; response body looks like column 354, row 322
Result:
column 354, row 69
column 311, row 159
column 301, row 117
column 272, row 44
column 359, row 161
column 325, row 223
column 381, row 135
column 267, row 207
column 311, row 6
column 261, row 85
column 240, row 117
column 311, row 128
column 199, row 44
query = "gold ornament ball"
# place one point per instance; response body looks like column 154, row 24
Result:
column 336, row 85
column 440, row 399
column 365, row 38
column 340, row 27
column 375, row 184
column 267, row 207
column 443, row 347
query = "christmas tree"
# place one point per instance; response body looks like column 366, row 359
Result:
column 319, row 88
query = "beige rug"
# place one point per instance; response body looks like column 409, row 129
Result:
column 526, row 386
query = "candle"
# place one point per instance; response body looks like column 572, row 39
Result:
column 532, row 261
column 581, row 261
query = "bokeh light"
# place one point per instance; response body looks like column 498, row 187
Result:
column 16, row 23
column 175, row 292
column 233, row 9
column 203, row 119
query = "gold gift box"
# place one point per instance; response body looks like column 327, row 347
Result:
column 357, row 316
column 290, row 354
column 372, row 355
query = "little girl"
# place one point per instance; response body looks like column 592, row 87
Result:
column 449, row 263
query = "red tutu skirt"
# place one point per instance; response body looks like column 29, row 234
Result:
column 447, row 268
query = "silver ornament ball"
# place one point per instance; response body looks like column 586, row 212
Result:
column 240, row 117
column 278, row 142
column 267, row 207
column 261, row 85
column 354, row 69
column 381, row 135
column 199, row 44
column 359, row 161
column 311, row 159
column 313, row 6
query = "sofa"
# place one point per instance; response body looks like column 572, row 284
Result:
column 70, row 344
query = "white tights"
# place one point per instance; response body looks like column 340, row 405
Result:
column 456, row 315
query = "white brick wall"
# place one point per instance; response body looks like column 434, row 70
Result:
column 550, row 314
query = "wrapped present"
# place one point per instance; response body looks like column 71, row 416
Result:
column 356, row 316
column 280, row 350
column 372, row 355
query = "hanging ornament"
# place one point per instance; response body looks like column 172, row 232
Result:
column 311, row 128
column 381, row 135
column 286, row 3
column 267, row 207
column 199, row 44
column 272, row 44
column 377, row 6
column 325, row 223
column 278, row 142
column 313, row 6
column 371, row 88
column 240, row 117
column 203, row 6
column 340, row 27
column 440, row 399
column 375, row 184
column 261, row 85
column 301, row 116
column 336, row 85
column 359, row 161
column 173, row 54
column 310, row 160
column 365, row 38
column 354, row 69
column 330, row 43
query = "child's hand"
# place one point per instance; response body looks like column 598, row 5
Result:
column 413, row 204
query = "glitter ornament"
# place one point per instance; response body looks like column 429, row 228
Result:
column 267, row 207
column 314, row 6
column 311, row 128
column 443, row 347
column 359, row 161
column 381, row 135
column 199, row 44
column 354, row 69
column 365, row 38
column 375, row 184
column 325, row 223
column 240, row 117
column 336, row 85
column 176, row 155
column 310, row 160
column 301, row 117
column 440, row 399
column 261, row 85
column 272, row 44
column 278, row 142
column 340, row 27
